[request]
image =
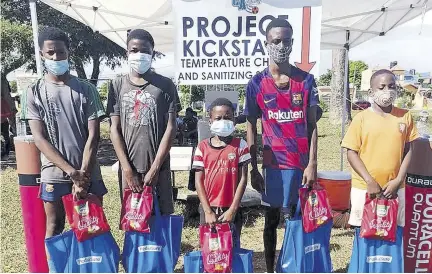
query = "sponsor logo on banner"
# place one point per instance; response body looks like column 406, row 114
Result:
column 149, row 248
column 419, row 181
column 312, row 248
column 379, row 259
column 250, row 6
column 90, row 259
column 418, row 228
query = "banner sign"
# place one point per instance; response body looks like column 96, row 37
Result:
column 222, row 42
column 418, row 224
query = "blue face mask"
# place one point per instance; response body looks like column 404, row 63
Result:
column 222, row 128
column 57, row 67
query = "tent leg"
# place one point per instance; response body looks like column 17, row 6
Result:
column 33, row 15
column 346, row 92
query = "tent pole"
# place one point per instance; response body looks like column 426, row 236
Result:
column 190, row 94
column 33, row 15
column 346, row 85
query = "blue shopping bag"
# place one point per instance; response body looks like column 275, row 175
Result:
column 193, row 263
column 305, row 252
column 157, row 251
column 377, row 256
column 100, row 254
column 242, row 261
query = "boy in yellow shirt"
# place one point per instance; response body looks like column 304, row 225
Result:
column 378, row 144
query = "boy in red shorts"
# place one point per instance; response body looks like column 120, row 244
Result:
column 221, row 164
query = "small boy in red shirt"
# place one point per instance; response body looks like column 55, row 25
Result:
column 221, row 164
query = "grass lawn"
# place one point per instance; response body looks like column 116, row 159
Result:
column 13, row 250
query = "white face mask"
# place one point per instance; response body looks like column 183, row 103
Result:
column 222, row 128
column 57, row 67
column 384, row 98
column 139, row 62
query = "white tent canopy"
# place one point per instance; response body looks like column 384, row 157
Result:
column 364, row 19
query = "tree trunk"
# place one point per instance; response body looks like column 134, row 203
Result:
column 79, row 68
column 337, row 86
column 96, row 70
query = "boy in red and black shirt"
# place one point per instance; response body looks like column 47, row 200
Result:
column 221, row 170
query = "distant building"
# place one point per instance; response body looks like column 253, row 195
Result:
column 408, row 78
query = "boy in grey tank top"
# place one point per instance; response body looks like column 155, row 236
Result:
column 63, row 112
column 143, row 106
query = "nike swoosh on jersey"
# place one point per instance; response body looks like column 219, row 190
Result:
column 268, row 101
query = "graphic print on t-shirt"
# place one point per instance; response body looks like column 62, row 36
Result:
column 139, row 107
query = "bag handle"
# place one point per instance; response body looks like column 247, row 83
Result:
column 298, row 209
column 156, row 205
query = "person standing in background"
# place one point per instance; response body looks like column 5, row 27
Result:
column 8, row 112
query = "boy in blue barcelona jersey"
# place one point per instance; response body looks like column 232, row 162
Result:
column 285, row 98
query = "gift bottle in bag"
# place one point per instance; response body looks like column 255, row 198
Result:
column 87, row 215
column 136, row 210
column 216, row 247
column 379, row 219
column 315, row 206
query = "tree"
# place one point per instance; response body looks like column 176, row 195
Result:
column 337, row 86
column 325, row 79
column 355, row 70
column 86, row 46
column 13, row 86
column 191, row 94
column 103, row 91
column 241, row 89
column 16, row 45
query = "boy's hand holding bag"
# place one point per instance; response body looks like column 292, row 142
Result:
column 379, row 218
column 86, row 216
column 315, row 207
column 136, row 210
column 217, row 248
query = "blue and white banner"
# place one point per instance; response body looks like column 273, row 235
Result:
column 222, row 42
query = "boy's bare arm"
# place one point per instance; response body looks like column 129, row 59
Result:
column 310, row 173
column 251, row 138
column 163, row 151
column 47, row 149
column 120, row 149
column 199, row 185
column 391, row 188
column 360, row 168
column 405, row 163
column 210, row 216
column 53, row 155
column 91, row 146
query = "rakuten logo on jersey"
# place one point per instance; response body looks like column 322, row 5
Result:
column 285, row 116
